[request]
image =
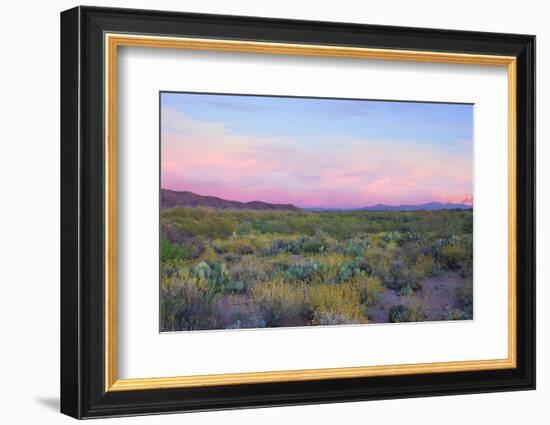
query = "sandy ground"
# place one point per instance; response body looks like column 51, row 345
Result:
column 436, row 295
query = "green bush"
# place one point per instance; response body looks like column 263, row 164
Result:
column 172, row 251
column 417, row 310
column 284, row 246
column 370, row 291
column 393, row 236
column 356, row 247
column 458, row 256
column 402, row 277
column 355, row 268
column 312, row 245
column 307, row 272
column 399, row 313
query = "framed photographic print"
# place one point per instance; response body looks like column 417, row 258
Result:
column 261, row 212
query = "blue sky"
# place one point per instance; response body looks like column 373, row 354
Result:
column 436, row 123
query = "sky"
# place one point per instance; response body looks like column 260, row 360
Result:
column 316, row 153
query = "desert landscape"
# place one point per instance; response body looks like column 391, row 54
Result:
column 285, row 211
column 230, row 265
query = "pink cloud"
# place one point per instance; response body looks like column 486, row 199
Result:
column 209, row 159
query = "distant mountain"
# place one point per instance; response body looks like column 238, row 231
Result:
column 172, row 198
column 430, row 206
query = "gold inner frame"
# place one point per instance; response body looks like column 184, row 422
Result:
column 113, row 41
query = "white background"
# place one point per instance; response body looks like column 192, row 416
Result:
column 29, row 228
column 141, row 345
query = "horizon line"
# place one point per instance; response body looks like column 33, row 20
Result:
column 466, row 204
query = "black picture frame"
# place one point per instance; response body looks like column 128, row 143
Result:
column 83, row 392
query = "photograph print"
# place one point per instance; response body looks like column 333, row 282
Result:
column 293, row 211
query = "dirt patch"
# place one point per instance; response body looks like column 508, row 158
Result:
column 436, row 296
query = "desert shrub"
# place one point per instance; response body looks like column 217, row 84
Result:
column 302, row 272
column 467, row 266
column 169, row 233
column 167, row 270
column 246, row 323
column 284, row 304
column 418, row 311
column 411, row 251
column 411, row 236
column 304, row 245
column 343, row 300
column 370, row 290
column 220, row 246
column 329, row 318
column 240, row 246
column 425, row 266
column 281, row 246
column 345, row 273
column 209, row 255
column 231, row 258
column 235, row 287
column 406, row 272
column 328, row 242
column 172, row 251
column 465, row 300
column 392, row 236
column 402, row 277
column 199, row 222
column 458, row 257
column 356, row 247
column 175, row 269
column 281, row 303
column 399, row 313
column 453, row 255
column 185, row 249
column 358, row 267
column 312, row 245
column 453, row 314
column 248, row 271
column 186, row 306
column 439, row 243
column 362, row 265
column 333, row 260
column 307, row 272
column 380, row 260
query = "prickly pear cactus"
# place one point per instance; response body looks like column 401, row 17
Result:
column 202, row 271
